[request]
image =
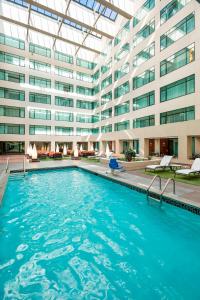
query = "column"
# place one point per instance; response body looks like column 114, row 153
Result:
column 144, row 147
column 197, row 145
column 157, row 146
column 53, row 146
column 184, row 148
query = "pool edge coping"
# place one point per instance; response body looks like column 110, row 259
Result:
column 175, row 201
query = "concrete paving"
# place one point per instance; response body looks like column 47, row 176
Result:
column 185, row 193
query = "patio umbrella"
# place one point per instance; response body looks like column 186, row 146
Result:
column 81, row 148
column 34, row 152
column 30, row 150
column 57, row 148
column 76, row 151
column 64, row 150
column 107, row 151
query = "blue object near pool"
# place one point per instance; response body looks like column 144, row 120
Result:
column 68, row 234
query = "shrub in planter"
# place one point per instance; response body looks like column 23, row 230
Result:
column 130, row 154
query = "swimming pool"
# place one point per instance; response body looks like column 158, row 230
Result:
column 68, row 234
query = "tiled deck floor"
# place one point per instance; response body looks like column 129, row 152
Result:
column 184, row 192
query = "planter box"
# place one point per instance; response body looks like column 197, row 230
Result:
column 133, row 165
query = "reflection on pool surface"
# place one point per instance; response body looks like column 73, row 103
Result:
column 68, row 234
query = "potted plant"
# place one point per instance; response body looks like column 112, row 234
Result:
column 130, row 154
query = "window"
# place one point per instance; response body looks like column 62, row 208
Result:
column 84, row 91
column 123, row 108
column 122, row 52
column 143, row 11
column 84, row 77
column 178, row 60
column 11, row 111
column 12, row 94
column 61, row 101
column 39, row 130
column 122, row 125
column 12, row 128
column 144, row 78
column 106, row 98
column 144, row 100
column 11, row 42
column 12, row 59
column 122, row 71
column 106, row 114
column 106, row 128
column 178, row 88
column 83, row 131
column 96, row 75
column 86, row 104
column 178, row 115
column 40, row 114
column 64, row 72
column 84, row 118
column 39, row 81
column 145, row 32
column 64, row 116
column 105, row 68
column 85, row 64
column 122, row 33
column 65, row 87
column 63, row 57
column 39, row 66
column 39, row 98
column 106, row 82
column 12, row 76
column 33, row 48
column 181, row 29
column 144, row 122
column 64, row 130
column 171, row 9
column 122, row 90
column 144, row 55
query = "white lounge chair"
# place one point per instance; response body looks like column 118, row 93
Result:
column 195, row 169
column 164, row 163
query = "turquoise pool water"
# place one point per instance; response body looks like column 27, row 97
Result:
column 68, row 234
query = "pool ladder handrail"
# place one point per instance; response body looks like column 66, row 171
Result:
column 24, row 165
column 7, row 165
column 166, row 185
column 151, row 183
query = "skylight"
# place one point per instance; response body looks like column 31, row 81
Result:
column 99, row 8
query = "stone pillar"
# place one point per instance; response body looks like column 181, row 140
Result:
column 184, row 148
column 157, row 145
column 197, row 145
column 144, row 147
column 117, row 147
column 26, row 146
column 74, row 144
column 53, row 146
column 101, row 147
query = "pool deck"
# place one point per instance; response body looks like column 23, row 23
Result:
column 185, row 193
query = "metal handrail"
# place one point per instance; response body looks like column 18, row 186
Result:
column 166, row 184
column 151, row 183
column 24, row 166
column 7, row 165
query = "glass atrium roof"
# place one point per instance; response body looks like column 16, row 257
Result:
column 81, row 26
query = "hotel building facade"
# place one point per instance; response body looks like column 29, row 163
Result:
column 142, row 91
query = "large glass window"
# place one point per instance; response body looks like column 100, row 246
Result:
column 84, row 131
column 12, row 76
column 122, row 33
column 171, row 9
column 12, row 128
column 39, row 81
column 40, row 98
column 144, row 55
column 64, row 130
column 65, row 87
column 86, row 104
column 106, row 114
column 85, row 63
column 178, row 115
column 63, row 57
column 106, row 82
column 11, row 42
column 122, row 90
column 61, row 101
column 181, row 29
column 122, row 125
column 145, row 100
column 143, row 11
column 121, row 53
column 146, row 31
column 84, row 77
column 105, row 68
column 39, row 66
column 11, row 111
column 178, row 88
column 177, row 60
column 40, row 114
column 96, row 75
column 144, row 122
column 12, row 59
column 39, row 130
column 106, row 98
column 144, row 78
column 64, row 72
column 12, row 94
column 106, row 128
column 123, row 108
column 84, row 91
column 64, row 116
column 85, row 118
column 37, row 49
column 122, row 71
